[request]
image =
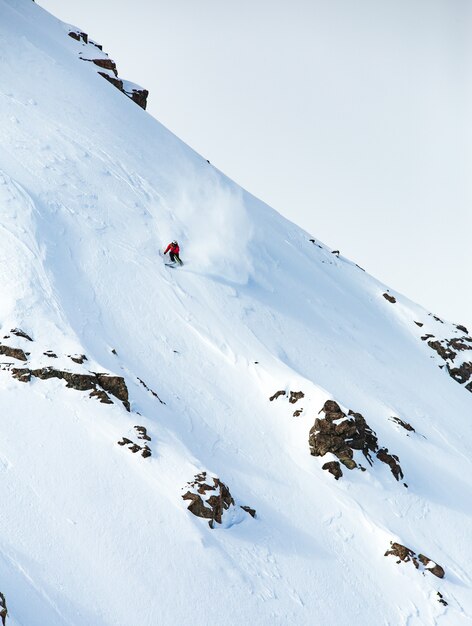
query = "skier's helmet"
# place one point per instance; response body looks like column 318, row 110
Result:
column 175, row 243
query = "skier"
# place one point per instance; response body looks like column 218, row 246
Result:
column 173, row 250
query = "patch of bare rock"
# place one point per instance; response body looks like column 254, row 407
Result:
column 210, row 499
column 99, row 384
column 153, row 393
column 141, row 433
column 449, row 350
column 403, row 424
column 136, row 93
column 420, row 561
column 342, row 435
column 3, row 609
column 293, row 398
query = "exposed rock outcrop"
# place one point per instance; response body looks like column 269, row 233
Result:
column 14, row 353
column 152, row 392
column 136, row 93
column 389, row 297
column 134, row 447
column 78, row 358
column 456, row 352
column 20, row 333
column 403, row 424
column 342, row 436
column 82, row 382
column 210, row 500
column 420, row 561
column 3, row 609
column 295, row 396
column 333, row 468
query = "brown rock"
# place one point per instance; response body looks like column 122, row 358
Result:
column 295, row 396
column 333, row 468
column 116, row 82
column 82, row 382
column 13, row 353
column 341, row 439
column 101, row 396
column 392, row 461
column 78, row 35
column 330, row 406
column 403, row 424
column 3, row 609
column 443, row 351
column 116, row 386
column 78, row 358
column 124, row 441
column 406, row 554
column 20, row 333
column 462, row 374
column 390, row 298
column 142, row 433
column 431, row 566
column 277, row 395
column 252, row 512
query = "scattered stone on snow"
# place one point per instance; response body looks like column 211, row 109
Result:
column 462, row 328
column 441, row 599
column 134, row 447
column 248, row 509
column 347, row 435
column 20, row 333
column 78, row 358
column 420, row 561
column 50, row 354
column 403, row 424
column 420, row 324
column 277, row 394
column 298, row 412
column 211, row 501
column 142, row 433
column 3, row 609
column 295, row 396
column 389, row 297
column 150, row 390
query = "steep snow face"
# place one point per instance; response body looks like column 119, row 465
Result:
column 93, row 532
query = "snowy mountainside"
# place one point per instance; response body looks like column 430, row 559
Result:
column 96, row 527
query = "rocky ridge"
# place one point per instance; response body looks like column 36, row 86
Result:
column 213, row 501
column 342, row 435
column 93, row 53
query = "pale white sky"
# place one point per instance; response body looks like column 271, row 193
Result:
column 353, row 119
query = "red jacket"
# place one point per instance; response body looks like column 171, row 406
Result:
column 173, row 248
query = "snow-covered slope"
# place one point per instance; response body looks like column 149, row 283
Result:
column 95, row 533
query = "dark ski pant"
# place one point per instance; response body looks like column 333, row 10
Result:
column 175, row 258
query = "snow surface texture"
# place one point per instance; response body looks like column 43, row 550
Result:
column 91, row 533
